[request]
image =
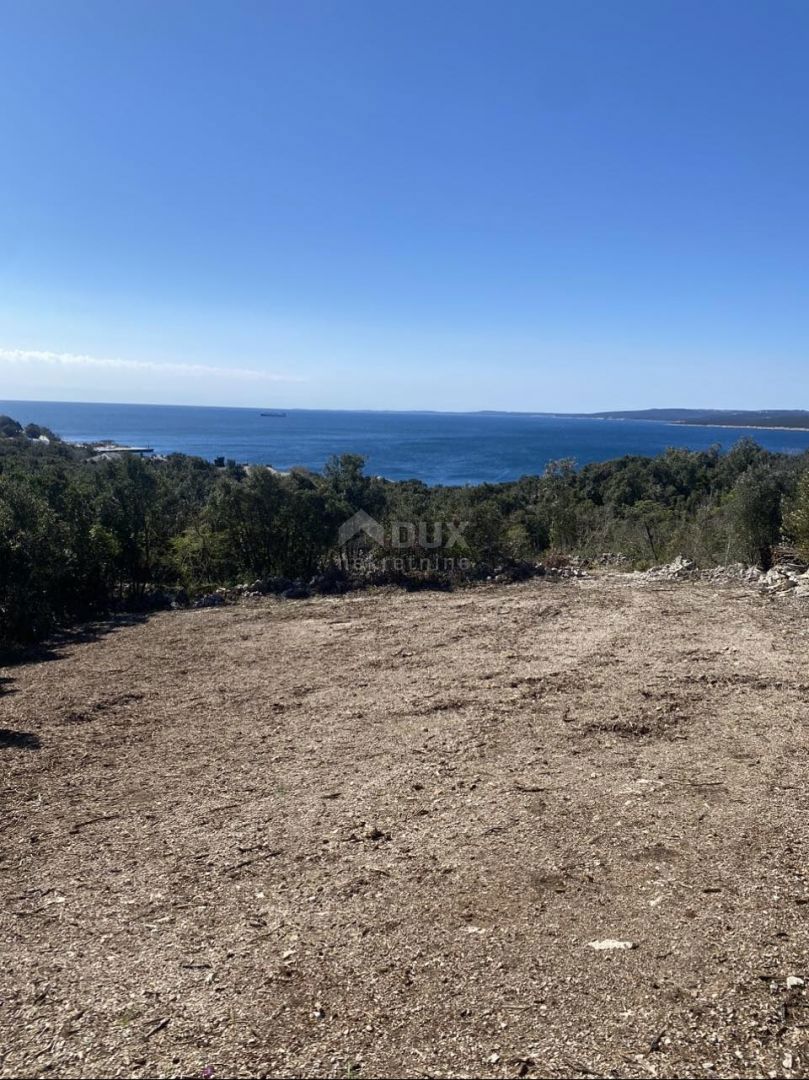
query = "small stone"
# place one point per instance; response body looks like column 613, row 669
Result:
column 612, row 943
column 794, row 982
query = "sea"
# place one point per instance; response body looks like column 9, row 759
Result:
column 435, row 447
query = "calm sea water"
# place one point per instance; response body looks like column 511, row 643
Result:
column 439, row 448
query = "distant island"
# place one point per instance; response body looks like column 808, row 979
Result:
column 788, row 419
column 749, row 418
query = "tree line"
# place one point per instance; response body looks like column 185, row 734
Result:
column 82, row 534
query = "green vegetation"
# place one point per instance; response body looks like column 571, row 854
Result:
column 763, row 418
column 797, row 516
column 81, row 534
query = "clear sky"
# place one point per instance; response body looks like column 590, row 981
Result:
column 524, row 204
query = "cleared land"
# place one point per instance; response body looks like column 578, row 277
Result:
column 373, row 836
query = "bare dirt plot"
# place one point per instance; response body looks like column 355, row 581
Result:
column 373, row 836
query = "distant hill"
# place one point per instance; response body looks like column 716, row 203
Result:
column 754, row 418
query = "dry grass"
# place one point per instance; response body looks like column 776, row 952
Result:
column 373, row 836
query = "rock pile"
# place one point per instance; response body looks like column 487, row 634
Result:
column 785, row 578
column 681, row 569
column 330, row 582
column 732, row 574
column 566, row 572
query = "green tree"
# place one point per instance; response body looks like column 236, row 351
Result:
column 754, row 509
column 797, row 521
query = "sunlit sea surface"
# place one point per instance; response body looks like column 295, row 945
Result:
column 438, row 448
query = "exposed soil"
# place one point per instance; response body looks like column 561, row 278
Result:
column 373, row 836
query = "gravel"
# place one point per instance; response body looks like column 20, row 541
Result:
column 375, row 836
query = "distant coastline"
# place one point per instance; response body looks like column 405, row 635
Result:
column 754, row 419
column 750, row 427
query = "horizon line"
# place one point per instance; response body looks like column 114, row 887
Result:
column 592, row 414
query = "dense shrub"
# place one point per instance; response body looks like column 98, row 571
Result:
column 798, row 516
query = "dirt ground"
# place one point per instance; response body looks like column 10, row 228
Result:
column 374, row 836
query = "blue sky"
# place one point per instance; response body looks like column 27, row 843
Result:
column 444, row 204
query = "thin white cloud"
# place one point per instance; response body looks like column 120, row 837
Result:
column 78, row 360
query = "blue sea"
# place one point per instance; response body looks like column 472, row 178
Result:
column 438, row 448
